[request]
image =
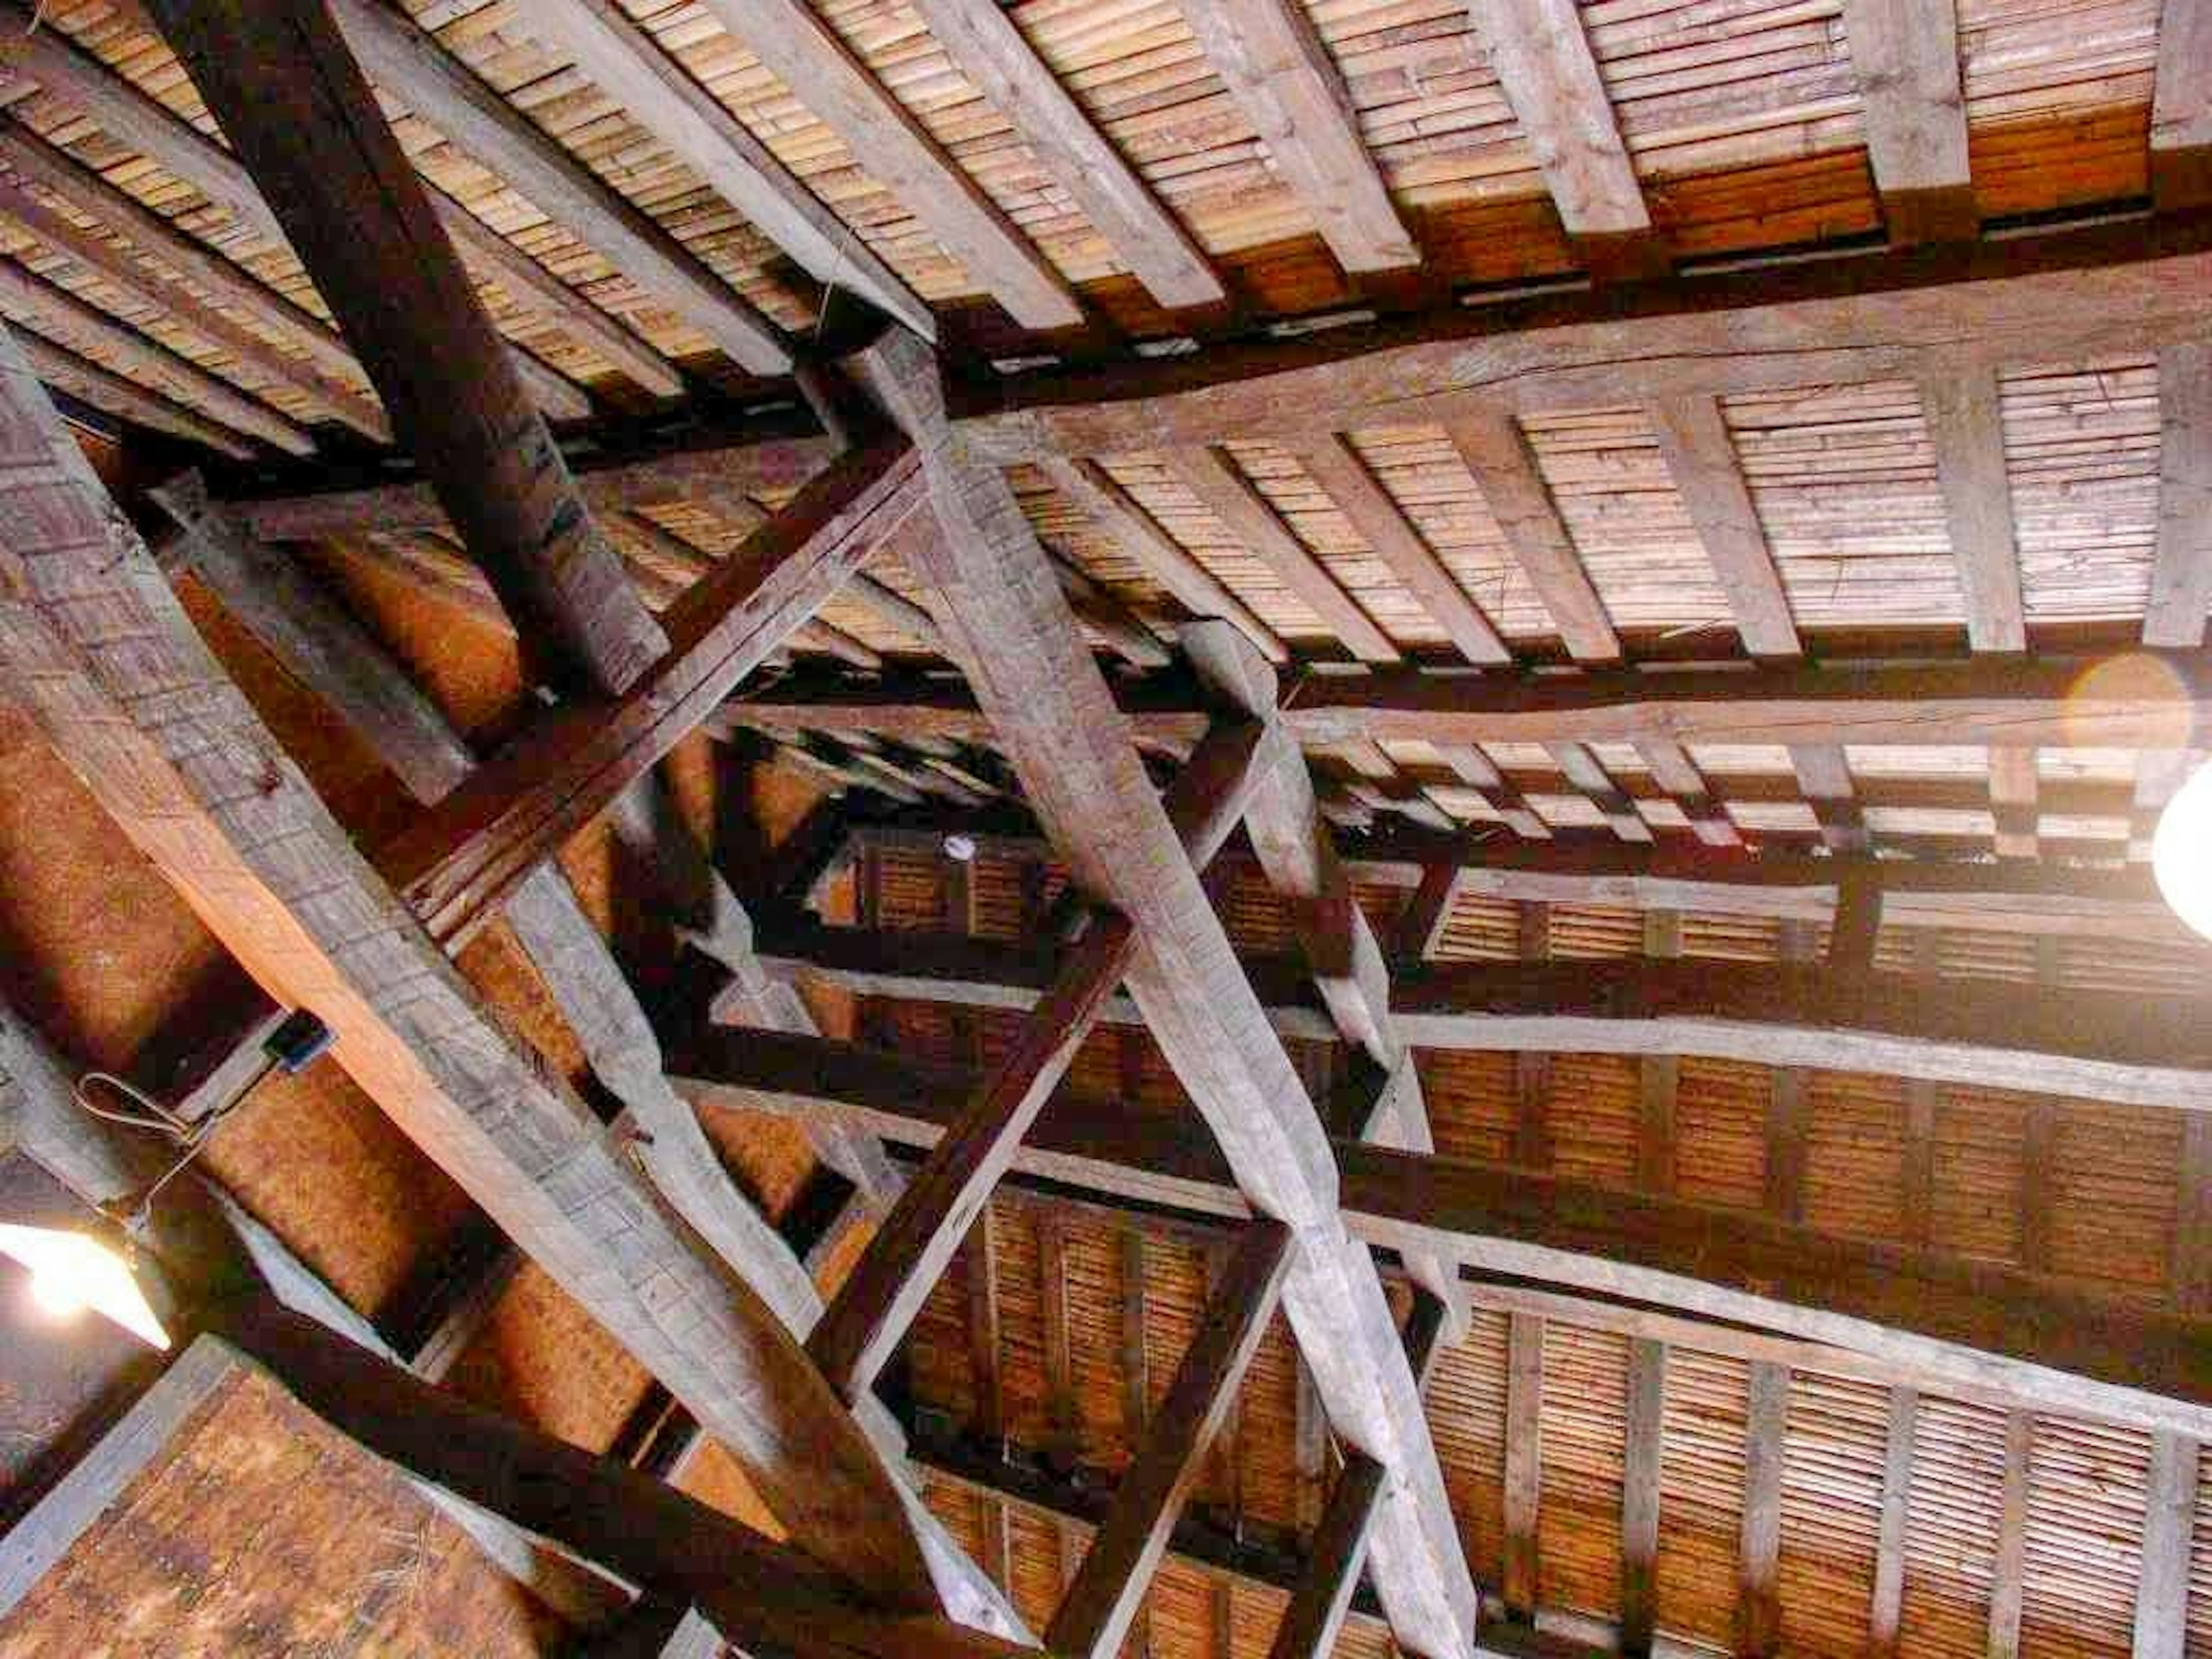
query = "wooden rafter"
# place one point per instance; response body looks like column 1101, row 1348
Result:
column 803, row 50
column 110, row 669
column 1906, row 56
column 1275, row 67
column 2181, row 106
column 290, row 97
column 1057, row 725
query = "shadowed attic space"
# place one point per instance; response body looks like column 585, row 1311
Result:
column 1183, row 831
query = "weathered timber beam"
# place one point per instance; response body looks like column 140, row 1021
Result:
column 119, row 395
column 290, row 96
column 2181, row 107
column 2150, row 700
column 1117, row 1570
column 522, row 805
column 2126, row 287
column 1541, row 54
column 1315, row 1614
column 766, row 1596
column 662, row 96
column 108, row 666
column 808, row 56
column 2095, row 1045
column 1056, row 722
column 1920, row 894
column 2181, row 574
column 1271, row 59
column 409, row 63
column 326, row 368
column 1954, row 1322
column 1906, row 56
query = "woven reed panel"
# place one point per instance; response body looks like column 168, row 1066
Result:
column 542, row 1360
column 1832, row 1452
column 1593, row 1102
column 1855, row 1155
column 1596, row 932
column 1258, row 920
column 1730, row 938
column 1700, row 1495
column 2098, row 156
column 1720, row 1132
column 1844, row 483
column 909, row 890
column 1951, row 1527
column 2085, row 1516
column 1979, row 1162
column 2081, row 447
column 2113, row 1198
column 1465, row 1402
column 1480, row 929
column 1471, row 1103
column 714, row 1478
column 1583, row 1430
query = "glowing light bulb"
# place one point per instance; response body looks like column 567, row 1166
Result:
column 71, row 1272
column 2181, row 852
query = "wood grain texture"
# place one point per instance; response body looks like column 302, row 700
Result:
column 1966, row 427
column 2008, row 1571
column 2169, row 1524
column 1315, row 1614
column 1642, row 1447
column 1083, row 777
column 274, row 77
column 892, row 147
column 111, row 670
column 1701, row 459
column 2181, row 106
column 1506, row 467
column 1524, row 1465
column 1276, row 69
column 2061, row 296
column 1758, row 1603
column 2181, row 571
column 1906, row 56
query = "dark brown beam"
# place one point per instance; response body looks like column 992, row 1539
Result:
column 910, row 1251
column 2061, row 296
column 457, row 863
column 758, row 1592
column 1903, row 1303
column 291, row 98
column 1316, row 1612
column 1642, row 1448
column 1117, row 1570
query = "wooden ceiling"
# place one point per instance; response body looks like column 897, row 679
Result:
column 1605, row 594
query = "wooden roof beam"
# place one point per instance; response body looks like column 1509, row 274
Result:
column 1056, row 721
column 1503, row 463
column 2095, row 1045
column 1947, row 1322
column 1315, row 1614
column 1276, row 70
column 2114, row 287
column 662, row 96
column 458, row 862
column 991, row 49
column 290, row 97
column 2181, row 107
column 1906, row 55
column 801, row 49
column 410, row 63
column 132, row 117
column 1966, row 427
column 111, row 671
column 1545, row 68
column 1095, row 1615
column 126, row 399
column 1223, row 489
column 2181, row 570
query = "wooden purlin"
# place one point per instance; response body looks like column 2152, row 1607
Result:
column 112, row 670
column 275, row 77
column 1056, row 721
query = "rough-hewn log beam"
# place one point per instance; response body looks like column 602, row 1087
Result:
column 2181, row 107
column 1056, row 722
column 1966, row 428
column 2181, row 573
column 291, row 98
column 2061, row 296
column 108, row 666
column 1906, row 56
column 521, row 806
